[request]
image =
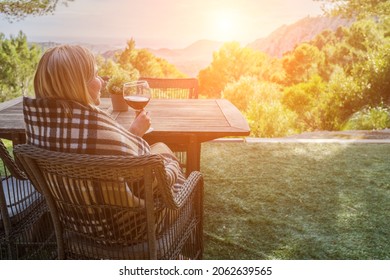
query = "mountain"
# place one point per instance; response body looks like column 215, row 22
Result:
column 192, row 58
column 286, row 37
column 197, row 56
column 188, row 60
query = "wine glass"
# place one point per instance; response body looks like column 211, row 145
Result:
column 137, row 95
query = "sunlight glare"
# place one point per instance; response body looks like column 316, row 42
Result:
column 225, row 25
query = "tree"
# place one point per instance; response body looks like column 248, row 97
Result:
column 134, row 63
column 365, row 35
column 304, row 99
column 18, row 62
column 356, row 8
column 302, row 63
column 17, row 10
column 344, row 97
column 241, row 92
column 229, row 64
column 266, row 115
column 323, row 39
column 373, row 75
column 126, row 57
column 109, row 69
column 146, row 63
column 169, row 70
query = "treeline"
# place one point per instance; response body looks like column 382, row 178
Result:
column 320, row 85
column 339, row 80
column 132, row 63
column 19, row 59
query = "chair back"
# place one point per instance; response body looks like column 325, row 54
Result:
column 169, row 88
column 105, row 207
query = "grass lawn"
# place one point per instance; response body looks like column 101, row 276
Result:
column 296, row 201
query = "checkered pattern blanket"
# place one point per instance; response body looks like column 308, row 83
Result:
column 73, row 128
column 70, row 127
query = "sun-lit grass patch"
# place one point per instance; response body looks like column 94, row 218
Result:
column 296, row 201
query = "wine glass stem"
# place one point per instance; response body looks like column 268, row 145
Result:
column 137, row 112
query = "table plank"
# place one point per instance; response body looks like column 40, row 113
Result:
column 10, row 103
column 233, row 115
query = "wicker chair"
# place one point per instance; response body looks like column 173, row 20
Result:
column 117, row 207
column 26, row 230
column 170, row 88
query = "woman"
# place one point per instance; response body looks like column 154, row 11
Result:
column 64, row 116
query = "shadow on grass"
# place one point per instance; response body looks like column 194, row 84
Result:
column 296, row 201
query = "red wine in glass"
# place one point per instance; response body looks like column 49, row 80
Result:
column 137, row 95
column 137, row 102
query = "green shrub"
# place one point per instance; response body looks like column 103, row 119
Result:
column 369, row 118
column 266, row 115
column 270, row 119
column 241, row 92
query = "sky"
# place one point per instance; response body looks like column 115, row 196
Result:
column 162, row 23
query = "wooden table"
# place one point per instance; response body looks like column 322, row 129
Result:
column 11, row 121
column 175, row 121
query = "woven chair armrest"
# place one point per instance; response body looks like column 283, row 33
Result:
column 10, row 163
column 194, row 180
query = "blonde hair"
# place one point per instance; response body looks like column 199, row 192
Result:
column 64, row 73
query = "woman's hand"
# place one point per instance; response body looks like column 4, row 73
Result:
column 141, row 123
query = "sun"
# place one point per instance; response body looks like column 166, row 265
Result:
column 225, row 25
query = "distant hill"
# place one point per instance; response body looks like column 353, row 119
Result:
column 286, row 37
column 188, row 60
column 192, row 58
column 197, row 56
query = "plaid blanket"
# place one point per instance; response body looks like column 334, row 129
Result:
column 70, row 127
